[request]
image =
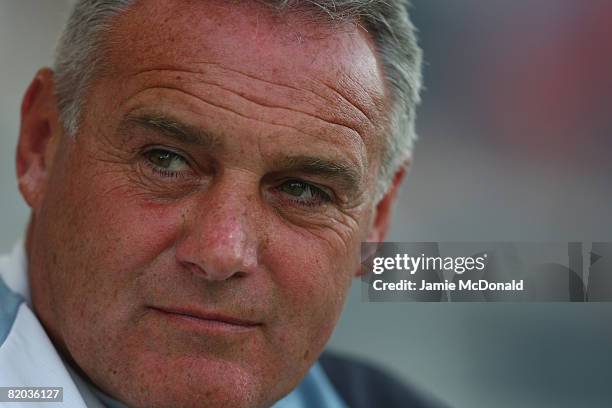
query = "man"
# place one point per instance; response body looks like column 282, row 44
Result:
column 201, row 175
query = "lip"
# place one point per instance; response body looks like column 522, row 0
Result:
column 209, row 320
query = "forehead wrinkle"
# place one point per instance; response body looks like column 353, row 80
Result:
column 253, row 16
column 337, row 91
column 310, row 91
column 247, row 117
column 312, row 64
column 224, row 108
column 333, row 120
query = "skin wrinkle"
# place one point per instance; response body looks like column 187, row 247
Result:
column 341, row 236
column 230, row 110
column 276, row 166
column 135, row 127
column 313, row 226
column 353, row 179
column 279, row 84
column 175, row 130
column 299, row 130
column 259, row 79
column 349, row 178
column 149, row 187
column 354, row 206
column 353, row 104
column 263, row 104
column 280, row 125
column 337, row 91
column 115, row 154
column 125, row 238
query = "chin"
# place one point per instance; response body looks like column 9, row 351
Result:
column 193, row 382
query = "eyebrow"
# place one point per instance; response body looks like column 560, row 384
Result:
column 173, row 129
column 345, row 173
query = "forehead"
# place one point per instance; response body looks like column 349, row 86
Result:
column 249, row 36
column 284, row 56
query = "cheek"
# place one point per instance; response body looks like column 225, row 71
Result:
column 312, row 273
column 103, row 238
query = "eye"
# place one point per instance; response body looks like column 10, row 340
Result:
column 304, row 193
column 166, row 162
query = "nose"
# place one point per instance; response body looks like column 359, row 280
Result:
column 219, row 240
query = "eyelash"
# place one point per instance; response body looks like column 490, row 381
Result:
column 320, row 197
column 161, row 171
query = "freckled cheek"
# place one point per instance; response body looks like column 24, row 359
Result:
column 114, row 237
column 312, row 278
column 131, row 232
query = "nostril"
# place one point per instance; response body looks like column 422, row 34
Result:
column 212, row 272
column 193, row 268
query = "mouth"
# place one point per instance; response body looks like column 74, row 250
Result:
column 209, row 321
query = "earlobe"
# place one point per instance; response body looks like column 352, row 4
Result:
column 38, row 137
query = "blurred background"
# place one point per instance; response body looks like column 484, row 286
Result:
column 515, row 145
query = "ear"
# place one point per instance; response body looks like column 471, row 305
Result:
column 382, row 218
column 38, row 138
column 383, row 211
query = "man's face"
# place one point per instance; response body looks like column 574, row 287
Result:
column 195, row 241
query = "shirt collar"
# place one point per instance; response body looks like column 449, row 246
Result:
column 13, row 271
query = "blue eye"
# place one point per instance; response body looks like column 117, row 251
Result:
column 304, row 193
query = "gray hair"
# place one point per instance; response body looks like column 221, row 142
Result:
column 387, row 21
